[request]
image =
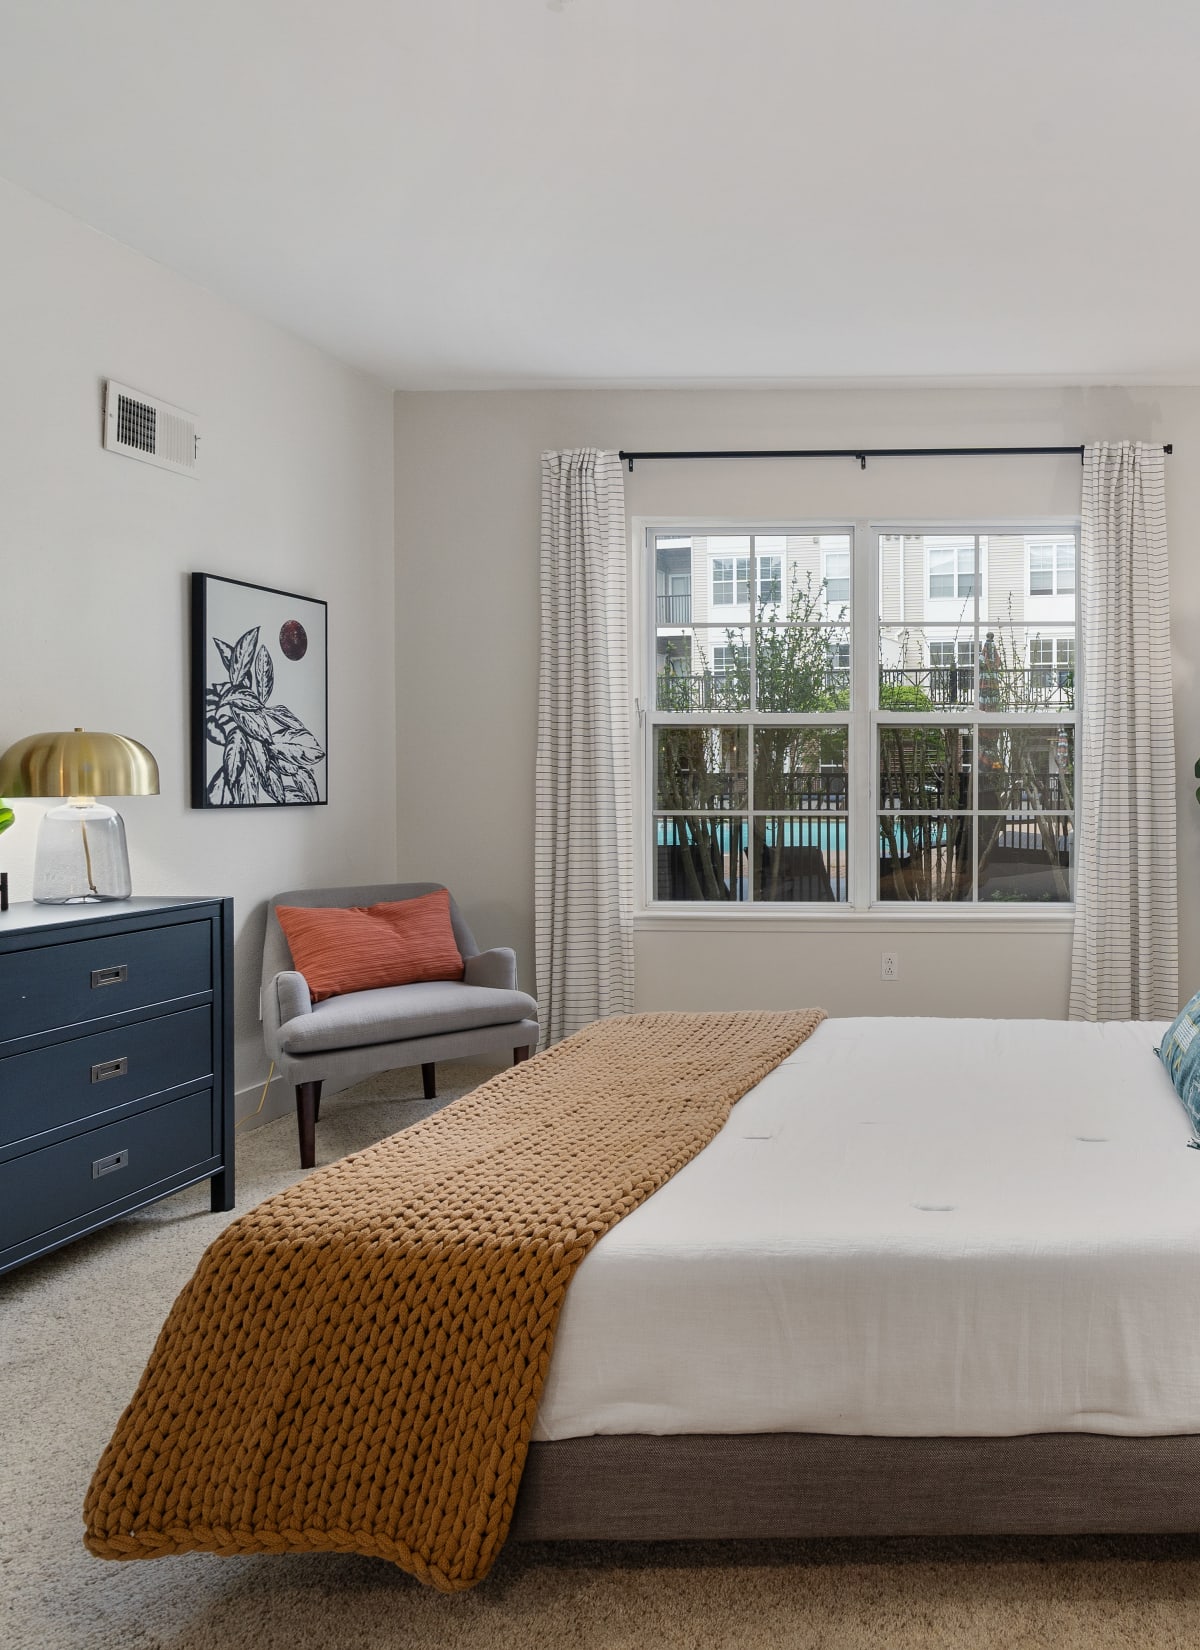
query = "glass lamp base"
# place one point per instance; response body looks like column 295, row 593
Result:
column 81, row 855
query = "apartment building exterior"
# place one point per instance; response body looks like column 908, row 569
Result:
column 930, row 636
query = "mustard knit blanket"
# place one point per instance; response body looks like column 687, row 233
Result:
column 356, row 1364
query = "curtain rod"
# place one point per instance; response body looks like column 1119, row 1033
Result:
column 862, row 454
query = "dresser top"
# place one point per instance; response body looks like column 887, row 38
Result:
column 27, row 916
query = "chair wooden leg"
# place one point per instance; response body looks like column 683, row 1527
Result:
column 429, row 1080
column 308, row 1101
column 520, row 1054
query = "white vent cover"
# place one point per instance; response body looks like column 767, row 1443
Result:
column 154, row 431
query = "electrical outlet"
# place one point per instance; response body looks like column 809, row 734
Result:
column 889, row 967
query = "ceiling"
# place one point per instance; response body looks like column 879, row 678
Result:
column 478, row 193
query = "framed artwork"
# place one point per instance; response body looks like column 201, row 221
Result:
column 260, row 696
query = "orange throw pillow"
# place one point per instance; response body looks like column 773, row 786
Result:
column 362, row 947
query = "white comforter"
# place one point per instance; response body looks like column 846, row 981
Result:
column 913, row 1226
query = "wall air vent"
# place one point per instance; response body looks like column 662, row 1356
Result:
column 154, row 431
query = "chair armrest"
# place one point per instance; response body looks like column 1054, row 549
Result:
column 496, row 969
column 285, row 997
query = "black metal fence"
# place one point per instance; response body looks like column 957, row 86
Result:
column 1041, row 687
column 781, row 860
column 720, row 691
column 934, row 790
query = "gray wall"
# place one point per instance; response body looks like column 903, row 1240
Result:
column 467, row 499
column 294, row 489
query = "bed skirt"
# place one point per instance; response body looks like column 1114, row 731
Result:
column 749, row 1486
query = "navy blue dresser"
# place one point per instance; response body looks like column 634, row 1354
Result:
column 116, row 1063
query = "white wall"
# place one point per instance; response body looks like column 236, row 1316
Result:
column 467, row 490
column 294, row 490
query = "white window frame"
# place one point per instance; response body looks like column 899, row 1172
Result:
column 1053, row 545
column 728, row 663
column 956, row 596
column 1058, row 645
column 838, row 601
column 975, row 619
column 963, row 654
column 739, row 616
column 771, row 555
column 864, row 907
column 736, row 561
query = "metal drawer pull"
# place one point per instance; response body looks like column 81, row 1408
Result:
column 109, row 1165
column 116, row 975
column 109, row 1068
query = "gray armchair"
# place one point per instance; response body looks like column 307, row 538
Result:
column 343, row 1039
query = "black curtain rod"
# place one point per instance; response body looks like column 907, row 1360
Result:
column 862, row 454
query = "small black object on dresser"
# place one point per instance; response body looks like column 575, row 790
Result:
column 116, row 1063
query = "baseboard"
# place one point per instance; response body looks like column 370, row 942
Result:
column 277, row 1102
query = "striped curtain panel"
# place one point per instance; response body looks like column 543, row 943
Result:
column 583, row 851
column 1125, row 963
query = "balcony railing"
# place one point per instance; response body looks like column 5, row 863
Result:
column 675, row 610
column 723, row 692
column 1039, row 687
column 945, row 687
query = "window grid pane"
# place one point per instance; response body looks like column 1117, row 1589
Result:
column 925, row 858
column 701, row 858
column 800, row 858
column 970, row 808
column 1005, row 838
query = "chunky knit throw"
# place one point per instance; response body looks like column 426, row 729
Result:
column 356, row 1364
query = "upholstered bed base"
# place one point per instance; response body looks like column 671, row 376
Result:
column 758, row 1485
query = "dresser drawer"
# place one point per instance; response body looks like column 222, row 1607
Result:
column 48, row 1188
column 67, row 1082
column 47, row 986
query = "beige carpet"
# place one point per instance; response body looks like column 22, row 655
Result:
column 76, row 1328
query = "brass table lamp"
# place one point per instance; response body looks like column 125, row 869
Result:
column 81, row 853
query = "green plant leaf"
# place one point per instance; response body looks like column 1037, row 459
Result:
column 7, row 817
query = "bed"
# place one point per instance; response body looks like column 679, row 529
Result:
column 701, row 1276
column 932, row 1276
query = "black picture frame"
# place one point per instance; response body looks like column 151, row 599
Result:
column 259, row 695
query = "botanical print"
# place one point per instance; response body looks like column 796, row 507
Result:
column 266, row 748
column 259, row 696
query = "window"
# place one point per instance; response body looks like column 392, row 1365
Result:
column 730, row 581
column 749, row 777
column 1052, row 664
column 673, row 582
column 780, row 771
column 973, row 746
column 727, row 660
column 770, row 580
column 945, row 655
column 1051, row 567
column 837, row 577
column 951, row 569
column 674, row 655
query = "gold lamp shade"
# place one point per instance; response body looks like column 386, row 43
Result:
column 81, row 850
column 78, row 764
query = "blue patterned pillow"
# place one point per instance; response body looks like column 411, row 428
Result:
column 1180, row 1053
